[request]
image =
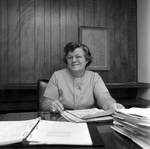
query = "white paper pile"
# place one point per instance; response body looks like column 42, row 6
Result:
column 87, row 115
column 134, row 123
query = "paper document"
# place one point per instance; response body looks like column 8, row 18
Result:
column 15, row 131
column 90, row 113
column 87, row 115
column 137, row 112
column 134, row 123
column 134, row 138
column 60, row 133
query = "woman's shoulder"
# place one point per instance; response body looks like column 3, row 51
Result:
column 92, row 73
column 93, row 76
column 62, row 72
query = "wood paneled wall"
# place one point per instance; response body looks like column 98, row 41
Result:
column 33, row 34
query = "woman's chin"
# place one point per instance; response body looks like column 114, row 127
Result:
column 75, row 69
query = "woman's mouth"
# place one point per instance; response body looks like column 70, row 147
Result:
column 74, row 65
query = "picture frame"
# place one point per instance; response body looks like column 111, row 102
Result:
column 97, row 39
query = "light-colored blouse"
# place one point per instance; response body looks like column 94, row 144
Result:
column 75, row 93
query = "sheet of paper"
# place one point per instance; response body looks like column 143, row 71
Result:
column 142, row 112
column 60, row 133
column 72, row 118
column 15, row 131
column 90, row 113
column 135, row 124
column 134, row 138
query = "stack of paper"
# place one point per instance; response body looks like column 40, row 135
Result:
column 134, row 123
column 87, row 115
column 37, row 131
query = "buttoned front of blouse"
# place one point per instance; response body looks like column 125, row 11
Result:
column 75, row 93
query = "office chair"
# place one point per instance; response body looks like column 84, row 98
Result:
column 41, row 85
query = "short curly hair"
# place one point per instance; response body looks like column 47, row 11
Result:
column 71, row 46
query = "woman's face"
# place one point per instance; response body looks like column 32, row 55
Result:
column 76, row 60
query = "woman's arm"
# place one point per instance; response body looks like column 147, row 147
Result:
column 52, row 105
column 47, row 104
column 106, row 102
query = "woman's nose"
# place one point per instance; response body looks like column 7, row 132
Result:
column 74, row 59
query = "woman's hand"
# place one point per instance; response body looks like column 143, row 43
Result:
column 56, row 107
column 116, row 106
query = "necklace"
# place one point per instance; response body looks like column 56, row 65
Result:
column 77, row 80
column 77, row 75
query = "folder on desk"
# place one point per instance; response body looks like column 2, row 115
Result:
column 65, row 133
column 16, row 131
column 37, row 131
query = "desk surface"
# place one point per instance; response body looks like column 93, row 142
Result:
column 111, row 139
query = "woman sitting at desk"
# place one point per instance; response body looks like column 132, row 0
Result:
column 76, row 87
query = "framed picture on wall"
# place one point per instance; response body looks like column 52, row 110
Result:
column 97, row 39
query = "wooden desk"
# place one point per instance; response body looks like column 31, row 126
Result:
column 111, row 139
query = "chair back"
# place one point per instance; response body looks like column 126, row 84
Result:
column 41, row 85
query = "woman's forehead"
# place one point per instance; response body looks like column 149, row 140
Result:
column 77, row 51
